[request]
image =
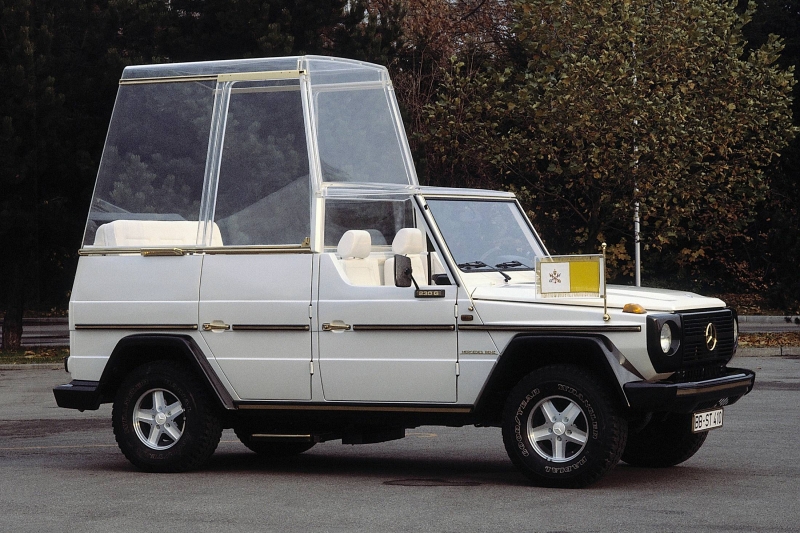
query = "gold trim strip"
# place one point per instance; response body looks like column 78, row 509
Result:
column 244, row 250
column 167, row 79
column 221, row 250
column 551, row 329
column 161, row 252
column 142, row 327
column 235, row 76
column 261, row 76
column 366, row 408
column 404, row 327
column 269, row 327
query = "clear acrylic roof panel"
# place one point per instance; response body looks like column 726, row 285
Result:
column 322, row 70
column 329, row 70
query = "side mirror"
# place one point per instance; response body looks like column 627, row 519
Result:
column 402, row 271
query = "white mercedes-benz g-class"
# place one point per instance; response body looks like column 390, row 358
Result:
column 260, row 256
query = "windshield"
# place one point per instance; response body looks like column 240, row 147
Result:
column 486, row 235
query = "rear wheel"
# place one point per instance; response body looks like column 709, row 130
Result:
column 561, row 429
column 164, row 420
column 667, row 440
column 270, row 447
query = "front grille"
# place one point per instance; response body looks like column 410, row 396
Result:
column 695, row 349
column 699, row 373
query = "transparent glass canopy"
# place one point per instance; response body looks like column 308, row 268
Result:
column 233, row 152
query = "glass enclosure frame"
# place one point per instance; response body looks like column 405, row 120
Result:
column 317, row 75
column 431, row 193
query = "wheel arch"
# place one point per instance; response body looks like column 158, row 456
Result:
column 526, row 352
column 135, row 350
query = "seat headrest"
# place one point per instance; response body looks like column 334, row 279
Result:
column 354, row 243
column 408, row 241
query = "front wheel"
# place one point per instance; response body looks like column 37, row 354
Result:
column 562, row 429
column 164, row 420
column 667, row 440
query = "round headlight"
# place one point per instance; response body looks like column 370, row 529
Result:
column 735, row 330
column 666, row 337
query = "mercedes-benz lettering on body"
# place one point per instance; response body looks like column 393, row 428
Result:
column 260, row 256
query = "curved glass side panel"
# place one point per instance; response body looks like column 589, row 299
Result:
column 486, row 235
column 152, row 167
column 357, row 137
column 381, row 218
column 263, row 191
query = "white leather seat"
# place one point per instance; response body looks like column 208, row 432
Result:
column 144, row 233
column 411, row 243
column 354, row 249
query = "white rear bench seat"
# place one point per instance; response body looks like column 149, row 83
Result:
column 146, row 233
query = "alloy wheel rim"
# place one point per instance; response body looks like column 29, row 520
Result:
column 557, row 429
column 158, row 419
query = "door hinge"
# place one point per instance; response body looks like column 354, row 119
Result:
column 458, row 369
column 311, row 367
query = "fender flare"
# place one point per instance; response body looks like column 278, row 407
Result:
column 128, row 353
column 516, row 361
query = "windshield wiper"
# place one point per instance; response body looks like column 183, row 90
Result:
column 480, row 264
column 511, row 264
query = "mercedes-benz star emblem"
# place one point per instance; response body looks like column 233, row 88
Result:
column 711, row 337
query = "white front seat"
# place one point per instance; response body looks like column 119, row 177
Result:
column 411, row 243
column 354, row 249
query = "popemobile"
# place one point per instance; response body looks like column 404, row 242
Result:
column 259, row 255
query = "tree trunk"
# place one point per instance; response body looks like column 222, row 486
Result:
column 12, row 332
column 15, row 298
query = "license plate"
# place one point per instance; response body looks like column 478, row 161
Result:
column 705, row 420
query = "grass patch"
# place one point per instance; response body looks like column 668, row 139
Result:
column 27, row 356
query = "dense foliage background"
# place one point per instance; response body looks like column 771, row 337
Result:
column 581, row 107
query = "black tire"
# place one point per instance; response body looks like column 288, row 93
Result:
column 564, row 452
column 667, row 440
column 271, row 448
column 184, row 429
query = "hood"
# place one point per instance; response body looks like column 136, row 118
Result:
column 661, row 300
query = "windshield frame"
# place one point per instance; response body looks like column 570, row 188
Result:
column 521, row 218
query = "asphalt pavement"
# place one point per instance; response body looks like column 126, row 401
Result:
column 60, row 470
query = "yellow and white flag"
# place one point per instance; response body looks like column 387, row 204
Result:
column 577, row 276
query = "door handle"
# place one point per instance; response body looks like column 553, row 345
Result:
column 216, row 326
column 336, row 326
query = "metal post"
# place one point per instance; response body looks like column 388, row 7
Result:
column 636, row 227
column 636, row 244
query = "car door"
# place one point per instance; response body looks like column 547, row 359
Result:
column 255, row 287
column 378, row 342
column 382, row 344
column 254, row 316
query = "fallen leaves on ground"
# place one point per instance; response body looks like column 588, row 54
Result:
column 766, row 340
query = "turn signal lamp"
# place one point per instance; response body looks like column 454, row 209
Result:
column 636, row 309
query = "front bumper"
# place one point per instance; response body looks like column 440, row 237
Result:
column 78, row 394
column 689, row 396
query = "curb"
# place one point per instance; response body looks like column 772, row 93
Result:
column 771, row 351
column 759, row 319
column 33, row 366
